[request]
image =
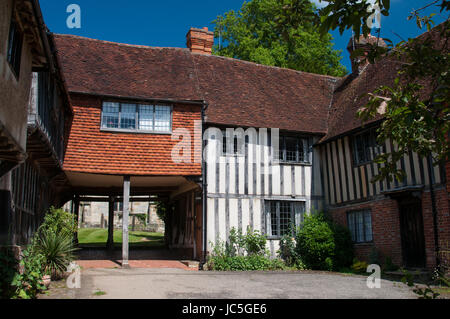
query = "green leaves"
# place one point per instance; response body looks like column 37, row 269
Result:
column 57, row 250
column 279, row 33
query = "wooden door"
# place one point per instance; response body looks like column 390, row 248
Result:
column 413, row 241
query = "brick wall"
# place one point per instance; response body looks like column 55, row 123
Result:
column 90, row 150
column 386, row 226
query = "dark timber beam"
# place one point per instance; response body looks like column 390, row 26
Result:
column 118, row 191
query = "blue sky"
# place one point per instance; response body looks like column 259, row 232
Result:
column 165, row 23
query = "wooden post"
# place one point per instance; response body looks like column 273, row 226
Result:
column 110, row 242
column 126, row 212
column 76, row 203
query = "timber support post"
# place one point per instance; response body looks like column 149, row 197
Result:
column 110, row 242
column 126, row 213
column 76, row 212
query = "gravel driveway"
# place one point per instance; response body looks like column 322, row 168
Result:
column 138, row 283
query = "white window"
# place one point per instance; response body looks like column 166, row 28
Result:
column 360, row 225
column 283, row 216
column 293, row 149
column 137, row 117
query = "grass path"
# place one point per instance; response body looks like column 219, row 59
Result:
column 99, row 236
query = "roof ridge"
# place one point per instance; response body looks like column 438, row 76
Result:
column 195, row 54
column 267, row 66
column 140, row 46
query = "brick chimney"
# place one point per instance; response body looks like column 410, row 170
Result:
column 360, row 62
column 200, row 40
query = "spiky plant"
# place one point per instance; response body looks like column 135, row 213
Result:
column 58, row 251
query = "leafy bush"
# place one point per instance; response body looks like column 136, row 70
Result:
column 318, row 244
column 343, row 246
column 242, row 252
column 359, row 266
column 389, row 265
column 57, row 220
column 57, row 250
column 315, row 243
column 50, row 251
column 252, row 243
column 8, row 268
column 287, row 250
column 28, row 283
column 244, row 263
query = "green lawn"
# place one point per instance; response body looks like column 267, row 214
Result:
column 99, row 236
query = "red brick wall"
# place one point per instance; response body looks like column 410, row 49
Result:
column 90, row 150
column 386, row 226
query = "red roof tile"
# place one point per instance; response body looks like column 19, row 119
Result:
column 239, row 93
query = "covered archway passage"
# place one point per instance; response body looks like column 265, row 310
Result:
column 183, row 193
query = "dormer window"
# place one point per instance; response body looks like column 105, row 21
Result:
column 142, row 118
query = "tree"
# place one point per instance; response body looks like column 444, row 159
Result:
column 415, row 107
column 260, row 32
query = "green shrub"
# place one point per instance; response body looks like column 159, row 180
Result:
column 287, row 250
column 244, row 263
column 8, row 267
column 28, row 283
column 315, row 242
column 343, row 246
column 242, row 252
column 57, row 220
column 57, row 250
column 389, row 265
column 359, row 266
column 250, row 243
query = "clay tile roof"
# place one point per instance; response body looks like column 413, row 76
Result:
column 107, row 68
column 352, row 92
column 252, row 95
column 238, row 93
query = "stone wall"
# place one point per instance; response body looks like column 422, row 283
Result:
column 95, row 215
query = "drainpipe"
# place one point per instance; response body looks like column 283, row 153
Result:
column 434, row 210
column 204, row 191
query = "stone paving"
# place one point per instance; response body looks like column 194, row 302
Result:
column 178, row 283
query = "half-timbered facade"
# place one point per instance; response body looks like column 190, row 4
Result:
column 277, row 144
column 36, row 107
column 405, row 220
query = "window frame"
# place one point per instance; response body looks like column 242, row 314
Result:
column 14, row 47
column 306, row 144
column 370, row 152
column 353, row 231
column 236, row 150
column 136, row 130
column 298, row 212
